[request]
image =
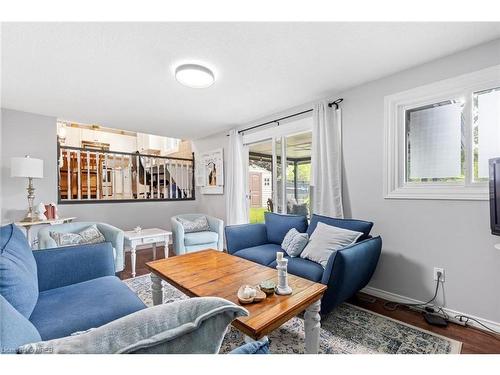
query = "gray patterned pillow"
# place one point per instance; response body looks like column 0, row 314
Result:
column 198, row 225
column 66, row 239
column 298, row 243
column 294, row 242
column 288, row 238
column 91, row 235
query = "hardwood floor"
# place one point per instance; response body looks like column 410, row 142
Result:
column 474, row 340
column 142, row 257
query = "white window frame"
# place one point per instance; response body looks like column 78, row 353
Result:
column 461, row 87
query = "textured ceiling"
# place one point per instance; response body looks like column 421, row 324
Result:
column 120, row 74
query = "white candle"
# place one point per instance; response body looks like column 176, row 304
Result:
column 279, row 255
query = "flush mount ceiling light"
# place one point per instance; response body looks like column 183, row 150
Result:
column 195, row 76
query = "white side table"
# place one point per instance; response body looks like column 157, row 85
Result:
column 152, row 236
column 28, row 224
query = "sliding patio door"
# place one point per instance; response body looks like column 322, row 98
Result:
column 260, row 180
column 297, row 174
column 279, row 168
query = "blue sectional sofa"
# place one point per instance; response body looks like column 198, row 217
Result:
column 348, row 270
column 53, row 293
column 47, row 295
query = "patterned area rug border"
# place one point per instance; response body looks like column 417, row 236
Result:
column 348, row 329
column 456, row 345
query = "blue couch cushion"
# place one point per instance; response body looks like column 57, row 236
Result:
column 352, row 224
column 15, row 329
column 198, row 238
column 303, row 268
column 79, row 307
column 263, row 254
column 277, row 226
column 18, row 272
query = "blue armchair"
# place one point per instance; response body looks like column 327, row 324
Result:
column 111, row 234
column 347, row 271
column 189, row 242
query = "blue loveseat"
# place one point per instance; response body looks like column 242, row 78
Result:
column 348, row 270
column 56, row 292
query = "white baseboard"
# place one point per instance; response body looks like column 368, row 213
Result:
column 403, row 299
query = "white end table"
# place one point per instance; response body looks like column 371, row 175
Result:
column 152, row 236
column 28, row 224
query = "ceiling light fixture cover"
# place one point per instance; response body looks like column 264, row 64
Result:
column 194, row 75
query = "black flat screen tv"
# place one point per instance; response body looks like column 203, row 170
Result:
column 495, row 196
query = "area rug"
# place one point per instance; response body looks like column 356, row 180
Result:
column 347, row 329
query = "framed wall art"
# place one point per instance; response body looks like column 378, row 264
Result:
column 210, row 171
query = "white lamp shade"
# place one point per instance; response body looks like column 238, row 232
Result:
column 26, row 167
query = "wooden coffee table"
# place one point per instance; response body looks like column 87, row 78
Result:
column 213, row 273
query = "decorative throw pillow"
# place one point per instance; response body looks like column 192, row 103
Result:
column 288, row 238
column 294, row 242
column 92, row 235
column 66, row 239
column 89, row 235
column 327, row 239
column 18, row 273
column 297, row 245
column 198, row 225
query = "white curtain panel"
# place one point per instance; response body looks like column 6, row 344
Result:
column 236, row 202
column 326, row 161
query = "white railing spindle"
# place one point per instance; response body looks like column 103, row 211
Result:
column 78, row 155
column 88, row 175
column 98, row 179
column 68, row 159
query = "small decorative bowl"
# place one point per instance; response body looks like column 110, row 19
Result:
column 267, row 287
column 258, row 296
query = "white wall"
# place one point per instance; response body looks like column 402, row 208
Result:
column 420, row 234
column 26, row 133
column 417, row 234
column 213, row 205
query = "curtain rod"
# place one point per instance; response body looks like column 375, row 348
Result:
column 334, row 103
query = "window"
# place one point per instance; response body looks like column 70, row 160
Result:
column 486, row 130
column 440, row 137
column 434, row 149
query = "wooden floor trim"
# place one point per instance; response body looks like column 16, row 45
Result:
column 380, row 293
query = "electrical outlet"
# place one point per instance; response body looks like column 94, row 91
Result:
column 436, row 271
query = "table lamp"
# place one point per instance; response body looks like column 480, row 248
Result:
column 29, row 168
